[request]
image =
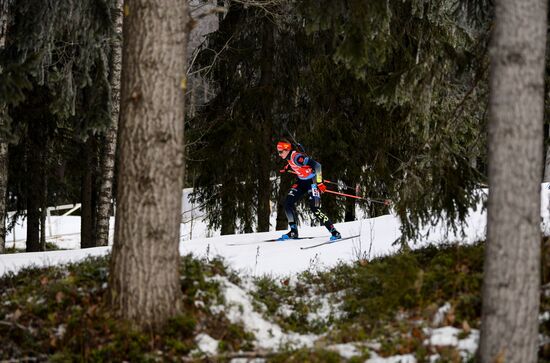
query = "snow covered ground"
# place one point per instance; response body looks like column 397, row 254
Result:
column 248, row 254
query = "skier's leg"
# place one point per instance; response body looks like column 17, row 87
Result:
column 315, row 206
column 294, row 194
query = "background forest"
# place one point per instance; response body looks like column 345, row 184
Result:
column 390, row 98
column 393, row 98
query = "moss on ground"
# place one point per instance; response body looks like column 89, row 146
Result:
column 59, row 314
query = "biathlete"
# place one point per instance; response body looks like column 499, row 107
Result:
column 310, row 180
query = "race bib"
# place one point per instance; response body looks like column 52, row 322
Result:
column 315, row 191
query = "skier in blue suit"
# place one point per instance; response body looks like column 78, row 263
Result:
column 310, row 180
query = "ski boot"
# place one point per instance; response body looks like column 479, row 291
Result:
column 335, row 235
column 292, row 234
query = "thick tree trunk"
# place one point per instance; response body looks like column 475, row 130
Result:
column 266, row 128
column 144, row 279
column 109, row 147
column 512, row 258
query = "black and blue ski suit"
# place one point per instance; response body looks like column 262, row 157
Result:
column 309, row 174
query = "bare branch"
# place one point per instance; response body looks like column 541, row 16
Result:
column 211, row 65
column 268, row 6
column 211, row 11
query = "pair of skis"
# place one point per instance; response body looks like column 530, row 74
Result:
column 328, row 242
column 295, row 239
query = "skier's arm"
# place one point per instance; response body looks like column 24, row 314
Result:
column 318, row 170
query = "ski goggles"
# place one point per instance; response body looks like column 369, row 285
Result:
column 283, row 145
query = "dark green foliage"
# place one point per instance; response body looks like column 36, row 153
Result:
column 388, row 95
column 64, row 46
column 414, row 280
column 306, row 356
column 411, row 69
column 59, row 314
column 234, row 138
column 299, row 300
column 388, row 300
column 371, row 293
column 194, row 280
column 54, row 86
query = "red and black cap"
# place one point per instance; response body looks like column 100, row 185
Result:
column 284, row 145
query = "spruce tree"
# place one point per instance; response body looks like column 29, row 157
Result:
column 54, row 63
column 388, row 96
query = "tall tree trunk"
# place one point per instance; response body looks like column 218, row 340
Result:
column 109, row 147
column 3, row 146
column 87, row 191
column 43, row 211
column 228, row 217
column 266, row 128
column 144, row 278
column 512, row 258
column 36, row 144
column 3, row 189
column 44, row 189
column 349, row 215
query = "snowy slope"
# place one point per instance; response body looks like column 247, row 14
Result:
column 253, row 257
column 248, row 254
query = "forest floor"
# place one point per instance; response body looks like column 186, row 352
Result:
column 412, row 306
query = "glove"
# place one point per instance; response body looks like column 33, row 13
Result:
column 284, row 169
column 322, row 187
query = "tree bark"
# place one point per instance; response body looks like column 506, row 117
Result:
column 109, row 146
column 512, row 259
column 144, row 279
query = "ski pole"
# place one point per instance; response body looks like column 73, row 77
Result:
column 385, row 202
column 340, row 185
column 285, row 170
